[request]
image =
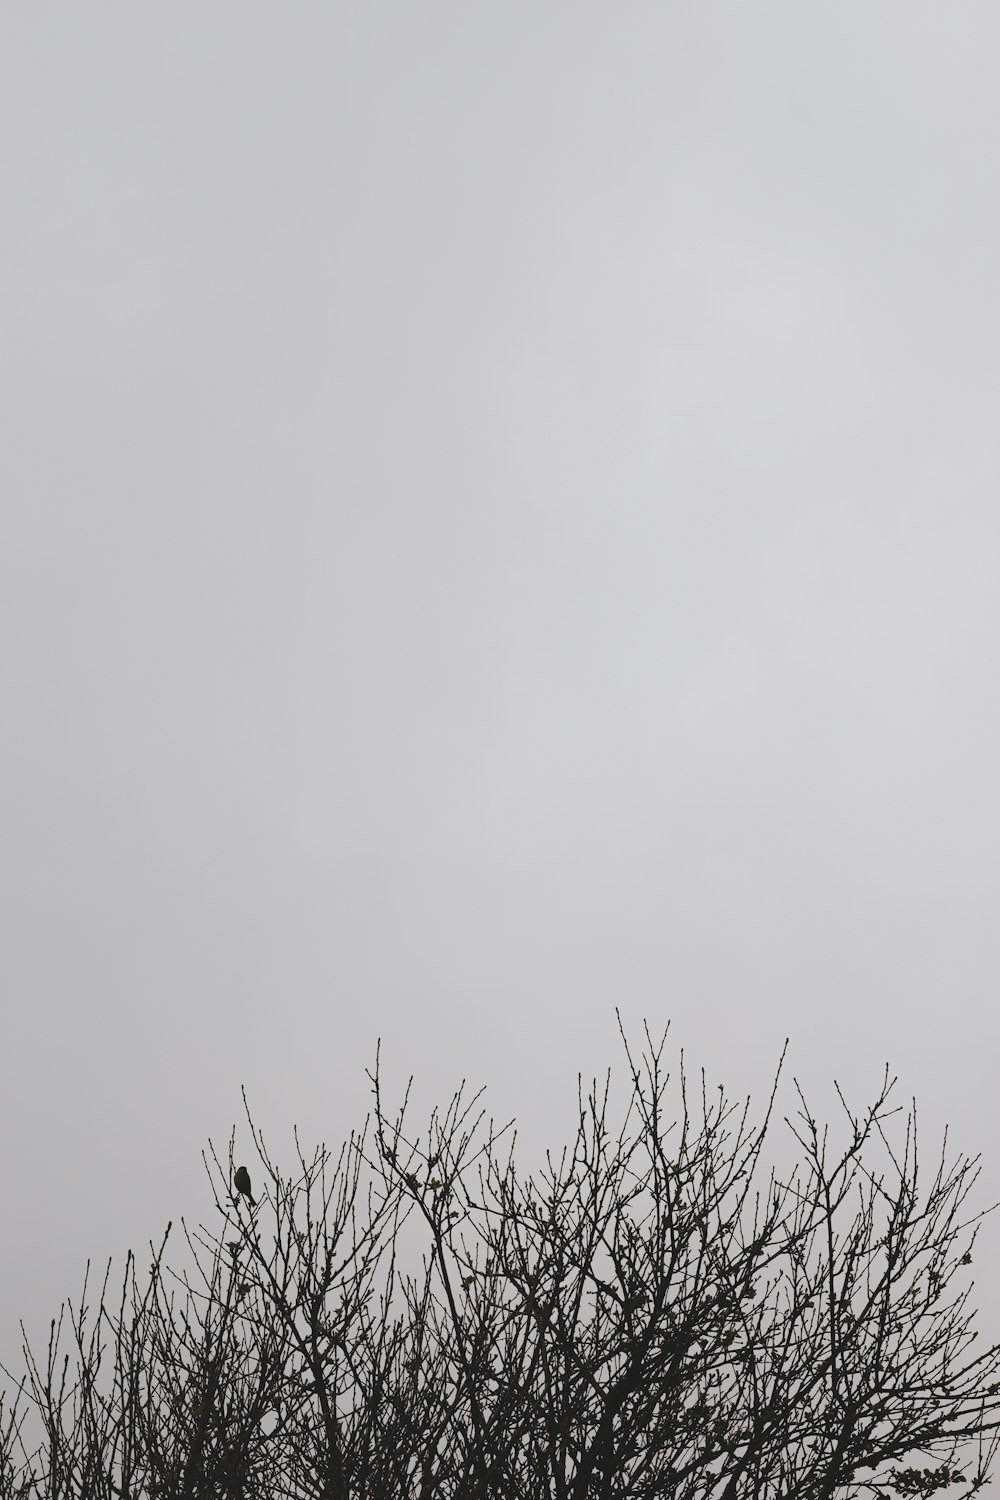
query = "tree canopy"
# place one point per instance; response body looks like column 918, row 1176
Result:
column 653, row 1312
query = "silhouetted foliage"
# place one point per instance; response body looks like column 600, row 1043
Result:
column 642, row 1317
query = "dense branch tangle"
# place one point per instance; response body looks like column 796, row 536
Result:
column 645, row 1316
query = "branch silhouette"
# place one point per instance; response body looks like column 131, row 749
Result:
column 652, row 1312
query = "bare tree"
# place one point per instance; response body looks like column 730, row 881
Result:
column 647, row 1315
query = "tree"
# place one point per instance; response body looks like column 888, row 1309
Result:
column 644, row 1316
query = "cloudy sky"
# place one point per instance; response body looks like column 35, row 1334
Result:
column 500, row 520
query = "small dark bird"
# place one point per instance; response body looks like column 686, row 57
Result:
column 242, row 1184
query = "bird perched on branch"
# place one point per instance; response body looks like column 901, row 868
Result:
column 242, row 1184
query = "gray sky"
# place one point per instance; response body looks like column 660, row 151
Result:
column 500, row 519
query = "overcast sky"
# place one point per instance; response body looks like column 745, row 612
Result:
column 499, row 520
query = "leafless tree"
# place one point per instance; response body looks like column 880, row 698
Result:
column 647, row 1315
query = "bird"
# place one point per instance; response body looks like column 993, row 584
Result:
column 242, row 1184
